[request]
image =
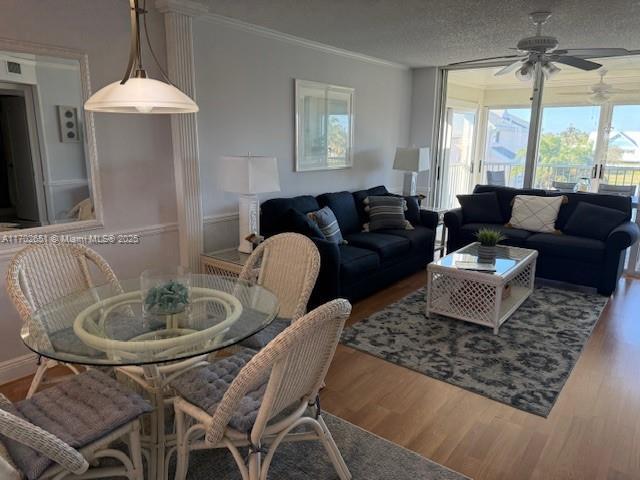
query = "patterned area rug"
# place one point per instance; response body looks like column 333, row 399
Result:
column 525, row 365
column 368, row 457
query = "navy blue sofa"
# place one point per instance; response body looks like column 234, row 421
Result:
column 568, row 258
column 369, row 261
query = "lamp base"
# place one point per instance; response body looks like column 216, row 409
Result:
column 409, row 185
column 249, row 216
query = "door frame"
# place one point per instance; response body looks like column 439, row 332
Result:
column 34, row 129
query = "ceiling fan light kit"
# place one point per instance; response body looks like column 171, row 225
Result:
column 136, row 93
column 543, row 49
column 536, row 61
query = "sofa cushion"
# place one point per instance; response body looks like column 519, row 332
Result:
column 272, row 212
column 421, row 238
column 593, row 221
column 385, row 245
column 480, row 208
column 355, row 262
column 359, row 197
column 505, row 196
column 567, row 246
column 535, row 213
column 622, row 204
column 515, row 236
column 343, row 206
column 328, row 225
column 386, row 212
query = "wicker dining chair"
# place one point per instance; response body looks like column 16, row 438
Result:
column 41, row 274
column 286, row 264
column 255, row 400
column 31, row 446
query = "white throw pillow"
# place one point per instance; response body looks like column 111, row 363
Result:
column 536, row 214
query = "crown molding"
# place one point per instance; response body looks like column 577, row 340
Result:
column 189, row 8
column 285, row 37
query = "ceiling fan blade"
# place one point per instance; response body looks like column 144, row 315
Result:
column 508, row 68
column 480, row 60
column 593, row 52
column 576, row 62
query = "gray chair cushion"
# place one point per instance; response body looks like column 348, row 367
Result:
column 78, row 411
column 264, row 336
column 204, row 387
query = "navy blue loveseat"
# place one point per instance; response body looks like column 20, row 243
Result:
column 370, row 260
column 564, row 257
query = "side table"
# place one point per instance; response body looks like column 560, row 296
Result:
column 225, row 263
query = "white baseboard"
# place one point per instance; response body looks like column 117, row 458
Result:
column 18, row 367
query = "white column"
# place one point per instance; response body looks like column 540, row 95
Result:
column 178, row 16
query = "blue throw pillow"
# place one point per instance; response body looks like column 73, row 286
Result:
column 593, row 221
column 328, row 224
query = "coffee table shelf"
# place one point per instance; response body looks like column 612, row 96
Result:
column 485, row 298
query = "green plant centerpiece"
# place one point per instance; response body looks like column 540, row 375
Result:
column 488, row 239
column 169, row 298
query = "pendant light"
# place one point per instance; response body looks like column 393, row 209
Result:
column 137, row 93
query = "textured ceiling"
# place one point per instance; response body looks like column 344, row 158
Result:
column 438, row 32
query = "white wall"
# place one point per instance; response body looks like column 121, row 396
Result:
column 424, row 100
column 134, row 152
column 245, row 90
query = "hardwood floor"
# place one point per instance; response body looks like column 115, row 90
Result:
column 593, row 431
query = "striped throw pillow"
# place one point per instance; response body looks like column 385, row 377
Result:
column 386, row 213
column 328, row 224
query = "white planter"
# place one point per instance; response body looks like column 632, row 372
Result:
column 486, row 254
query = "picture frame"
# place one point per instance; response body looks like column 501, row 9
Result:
column 324, row 125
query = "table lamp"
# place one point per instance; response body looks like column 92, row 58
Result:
column 249, row 175
column 411, row 161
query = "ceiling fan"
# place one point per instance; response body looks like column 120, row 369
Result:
column 541, row 51
column 601, row 92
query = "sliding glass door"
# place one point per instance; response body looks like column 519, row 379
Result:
column 502, row 162
column 621, row 165
column 567, row 146
column 460, row 145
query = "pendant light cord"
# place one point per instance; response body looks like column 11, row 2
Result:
column 146, row 36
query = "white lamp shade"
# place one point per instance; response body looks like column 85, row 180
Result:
column 249, row 175
column 140, row 95
column 411, row 159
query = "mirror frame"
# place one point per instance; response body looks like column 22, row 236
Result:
column 90, row 147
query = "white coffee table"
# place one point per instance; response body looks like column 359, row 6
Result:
column 485, row 298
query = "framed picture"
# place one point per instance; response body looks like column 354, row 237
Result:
column 324, row 126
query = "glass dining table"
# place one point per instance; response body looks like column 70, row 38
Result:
column 149, row 336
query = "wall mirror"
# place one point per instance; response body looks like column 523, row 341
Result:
column 48, row 160
column 324, row 126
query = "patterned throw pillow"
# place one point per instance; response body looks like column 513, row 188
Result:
column 326, row 220
column 536, row 214
column 386, row 213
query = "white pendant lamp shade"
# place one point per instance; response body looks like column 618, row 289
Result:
column 140, row 95
column 137, row 93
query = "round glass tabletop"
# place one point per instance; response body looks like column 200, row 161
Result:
column 149, row 321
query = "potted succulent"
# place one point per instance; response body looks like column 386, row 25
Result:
column 488, row 239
